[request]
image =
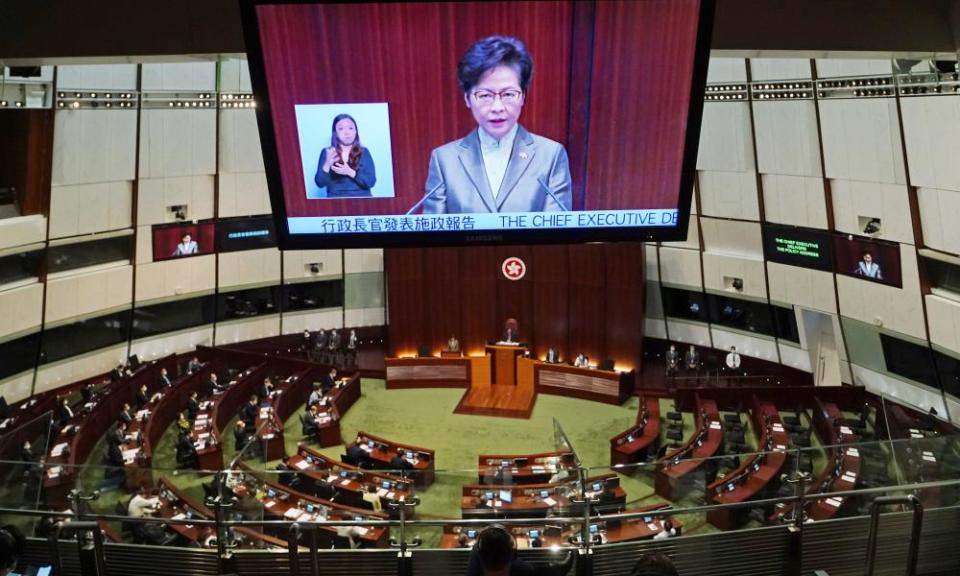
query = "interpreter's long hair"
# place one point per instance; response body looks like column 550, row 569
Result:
column 354, row 160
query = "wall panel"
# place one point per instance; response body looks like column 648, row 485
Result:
column 550, row 300
column 938, row 210
column 84, row 294
column 587, row 306
column 20, row 309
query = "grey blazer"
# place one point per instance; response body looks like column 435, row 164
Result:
column 459, row 185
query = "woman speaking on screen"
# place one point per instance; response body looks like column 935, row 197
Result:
column 345, row 168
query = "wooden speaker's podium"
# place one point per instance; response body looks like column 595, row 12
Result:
column 505, row 362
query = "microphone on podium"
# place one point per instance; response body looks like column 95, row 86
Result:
column 551, row 194
column 425, row 197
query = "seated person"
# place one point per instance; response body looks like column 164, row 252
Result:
column 164, row 380
column 495, row 554
column 329, row 381
column 213, row 386
column 143, row 398
column 553, row 356
column 308, row 422
column 193, row 405
column 241, row 436
column 186, row 451
column 87, row 392
column 248, row 414
column 581, row 361
column 316, row 395
column 144, row 505
column 398, row 462
column 370, row 495
column 668, row 531
column 114, row 461
column 119, row 435
column 193, row 365
column 266, row 389
column 64, row 413
column 286, row 474
column 126, row 416
column 358, row 455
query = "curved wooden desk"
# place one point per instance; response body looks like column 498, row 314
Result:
column 673, row 477
column 635, row 443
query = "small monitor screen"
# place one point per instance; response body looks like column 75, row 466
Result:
column 867, row 259
column 410, row 455
column 386, row 485
column 488, row 495
column 505, row 463
column 544, row 493
column 344, row 473
column 594, row 528
column 245, row 234
column 629, row 438
column 471, row 533
column 597, row 486
column 271, row 493
column 648, row 519
column 182, row 240
column 533, row 534
column 310, row 508
column 370, row 443
column 506, row 496
column 731, row 487
column 383, row 147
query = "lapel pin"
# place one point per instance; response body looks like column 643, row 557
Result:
column 523, row 155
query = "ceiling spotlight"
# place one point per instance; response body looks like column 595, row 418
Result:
column 93, row 94
column 108, row 95
column 18, row 104
column 74, row 104
column 60, row 94
column 60, row 104
column 3, row 103
column 108, row 105
column 77, row 95
column 170, row 104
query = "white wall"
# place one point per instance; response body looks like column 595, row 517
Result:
column 20, row 309
column 87, row 293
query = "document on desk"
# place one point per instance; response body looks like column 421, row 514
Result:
column 549, row 501
column 361, row 531
column 849, row 477
column 497, row 503
column 382, row 492
column 130, row 455
column 269, row 503
column 835, row 502
column 179, row 516
column 714, row 425
column 853, row 452
column 302, row 465
column 345, row 482
column 58, row 449
column 53, row 472
column 653, row 527
column 293, row 513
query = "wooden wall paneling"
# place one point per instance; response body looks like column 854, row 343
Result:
column 587, row 311
column 441, row 296
column 550, row 269
column 479, row 319
column 405, row 289
column 624, row 303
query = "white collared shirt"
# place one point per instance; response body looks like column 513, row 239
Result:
column 496, row 156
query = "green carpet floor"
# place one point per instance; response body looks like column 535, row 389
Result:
column 425, row 417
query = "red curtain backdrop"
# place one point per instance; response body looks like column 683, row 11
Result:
column 576, row 299
column 611, row 82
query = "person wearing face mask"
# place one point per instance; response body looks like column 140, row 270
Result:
column 500, row 166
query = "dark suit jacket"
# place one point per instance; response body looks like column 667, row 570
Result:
column 249, row 415
column 126, row 417
column 193, row 408
column 458, row 179
column 327, row 383
column 340, row 186
column 142, row 399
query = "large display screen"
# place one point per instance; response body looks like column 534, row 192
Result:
column 245, row 234
column 449, row 123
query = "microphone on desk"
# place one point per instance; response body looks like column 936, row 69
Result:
column 425, row 197
column 552, row 194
